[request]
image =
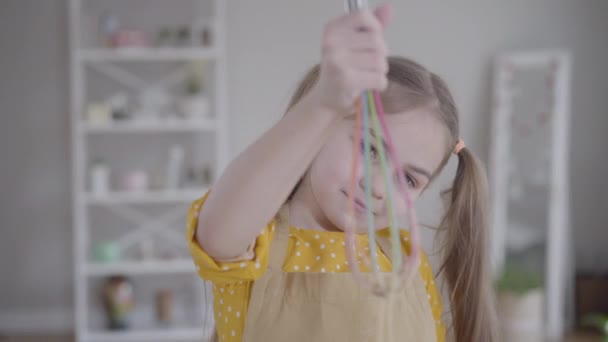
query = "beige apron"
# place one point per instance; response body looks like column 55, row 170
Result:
column 324, row 307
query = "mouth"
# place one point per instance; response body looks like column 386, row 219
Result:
column 360, row 205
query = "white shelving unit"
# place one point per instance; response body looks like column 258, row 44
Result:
column 151, row 126
column 135, row 268
column 146, row 54
column 86, row 58
column 177, row 335
column 148, row 197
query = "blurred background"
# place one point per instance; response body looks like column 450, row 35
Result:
column 117, row 113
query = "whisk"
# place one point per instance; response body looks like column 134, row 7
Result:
column 370, row 117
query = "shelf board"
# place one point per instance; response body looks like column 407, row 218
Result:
column 145, row 54
column 161, row 196
column 141, row 267
column 160, row 126
column 156, row 334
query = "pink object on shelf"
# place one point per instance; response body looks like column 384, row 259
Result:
column 128, row 38
column 134, row 181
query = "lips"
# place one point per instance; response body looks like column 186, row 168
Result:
column 359, row 204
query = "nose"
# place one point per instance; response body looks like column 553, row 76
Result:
column 378, row 186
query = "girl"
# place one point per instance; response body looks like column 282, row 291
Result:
column 270, row 233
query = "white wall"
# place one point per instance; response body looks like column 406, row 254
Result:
column 35, row 218
column 268, row 52
column 456, row 39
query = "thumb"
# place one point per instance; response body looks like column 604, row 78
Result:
column 384, row 13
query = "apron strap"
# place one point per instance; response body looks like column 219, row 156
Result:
column 386, row 247
column 278, row 246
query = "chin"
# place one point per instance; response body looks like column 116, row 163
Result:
column 336, row 212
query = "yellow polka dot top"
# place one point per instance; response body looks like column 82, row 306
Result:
column 308, row 251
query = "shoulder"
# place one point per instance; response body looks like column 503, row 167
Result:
column 250, row 266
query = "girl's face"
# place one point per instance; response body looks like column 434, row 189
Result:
column 420, row 142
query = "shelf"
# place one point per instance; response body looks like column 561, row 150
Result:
column 145, row 54
column 140, row 267
column 97, row 72
column 148, row 197
column 160, row 126
column 169, row 334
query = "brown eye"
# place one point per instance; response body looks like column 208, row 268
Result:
column 411, row 181
column 372, row 149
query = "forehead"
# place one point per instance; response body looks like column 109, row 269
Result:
column 420, row 138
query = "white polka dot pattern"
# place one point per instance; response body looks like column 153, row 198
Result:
column 308, row 251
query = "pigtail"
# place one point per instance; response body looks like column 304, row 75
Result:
column 466, row 257
column 465, row 228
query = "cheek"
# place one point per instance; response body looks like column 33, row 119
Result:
column 331, row 168
column 400, row 203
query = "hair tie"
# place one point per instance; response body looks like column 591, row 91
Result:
column 459, row 146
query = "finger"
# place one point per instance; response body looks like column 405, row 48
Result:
column 363, row 20
column 369, row 61
column 365, row 41
column 384, row 13
column 370, row 80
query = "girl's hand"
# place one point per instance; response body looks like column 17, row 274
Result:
column 353, row 59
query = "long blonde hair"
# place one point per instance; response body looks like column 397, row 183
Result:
column 464, row 227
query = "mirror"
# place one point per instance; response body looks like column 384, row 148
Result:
column 529, row 192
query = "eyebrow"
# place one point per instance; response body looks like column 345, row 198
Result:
column 415, row 168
